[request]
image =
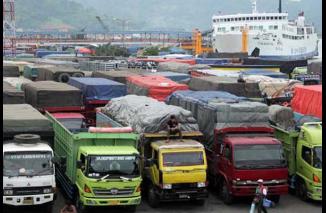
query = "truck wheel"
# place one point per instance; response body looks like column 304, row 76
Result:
column 275, row 198
column 225, row 193
column 63, row 77
column 302, row 190
column 153, row 200
column 80, row 206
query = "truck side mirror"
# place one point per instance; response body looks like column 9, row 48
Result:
column 55, row 160
column 79, row 164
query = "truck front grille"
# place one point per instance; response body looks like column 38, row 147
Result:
column 113, row 192
column 28, row 190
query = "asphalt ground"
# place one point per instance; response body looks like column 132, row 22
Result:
column 288, row 204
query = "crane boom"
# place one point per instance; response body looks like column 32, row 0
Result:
column 102, row 23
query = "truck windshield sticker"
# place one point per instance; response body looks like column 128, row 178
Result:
column 104, row 158
column 28, row 156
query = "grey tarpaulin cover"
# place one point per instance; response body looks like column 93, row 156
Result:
column 119, row 76
column 282, row 116
column 16, row 82
column 147, row 115
column 11, row 95
column 54, row 73
column 10, row 71
column 227, row 84
column 52, row 94
column 23, row 118
column 173, row 67
column 214, row 109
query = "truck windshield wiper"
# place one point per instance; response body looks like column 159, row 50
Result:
column 104, row 177
column 125, row 178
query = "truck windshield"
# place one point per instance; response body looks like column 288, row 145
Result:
column 259, row 156
column 318, row 157
column 183, row 158
column 100, row 166
column 27, row 164
column 72, row 123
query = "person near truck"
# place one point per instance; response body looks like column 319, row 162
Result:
column 173, row 127
column 261, row 192
column 68, row 208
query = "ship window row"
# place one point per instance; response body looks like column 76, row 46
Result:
column 293, row 37
column 252, row 18
column 237, row 28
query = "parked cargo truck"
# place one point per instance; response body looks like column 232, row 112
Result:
column 173, row 171
column 242, row 155
column 28, row 173
column 303, row 153
column 97, row 168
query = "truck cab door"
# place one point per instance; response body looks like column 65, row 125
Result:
column 304, row 159
column 154, row 168
column 226, row 165
column 81, row 171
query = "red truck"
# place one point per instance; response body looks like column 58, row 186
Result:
column 240, row 156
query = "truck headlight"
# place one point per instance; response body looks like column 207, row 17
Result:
column 167, row 186
column 201, row 184
column 47, row 190
column 8, row 192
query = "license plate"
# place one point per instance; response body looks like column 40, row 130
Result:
column 28, row 201
column 114, row 202
column 183, row 196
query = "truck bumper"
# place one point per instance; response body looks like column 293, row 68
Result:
column 117, row 201
column 184, row 194
column 250, row 190
column 28, row 200
column 315, row 193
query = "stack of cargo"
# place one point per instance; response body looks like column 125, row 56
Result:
column 16, row 82
column 31, row 71
column 49, row 94
column 118, row 76
column 147, row 115
column 98, row 89
column 227, row 84
column 272, row 87
column 58, row 73
column 157, row 87
column 10, row 70
column 219, row 110
column 307, row 100
column 24, row 119
column 177, row 77
column 12, row 95
column 103, row 65
column 173, row 67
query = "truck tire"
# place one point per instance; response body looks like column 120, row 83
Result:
column 27, row 138
column 63, row 77
column 225, row 193
column 301, row 190
column 79, row 205
column 275, row 198
column 153, row 200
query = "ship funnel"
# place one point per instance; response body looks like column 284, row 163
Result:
column 254, row 6
column 280, row 6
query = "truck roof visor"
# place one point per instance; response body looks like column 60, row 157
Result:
column 27, row 138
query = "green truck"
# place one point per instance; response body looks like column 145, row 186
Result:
column 303, row 151
column 97, row 168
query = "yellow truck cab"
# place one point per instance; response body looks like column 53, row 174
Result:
column 174, row 170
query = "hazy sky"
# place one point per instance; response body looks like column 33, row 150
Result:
column 189, row 14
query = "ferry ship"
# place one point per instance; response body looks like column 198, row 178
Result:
column 270, row 35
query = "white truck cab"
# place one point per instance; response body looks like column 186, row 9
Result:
column 28, row 174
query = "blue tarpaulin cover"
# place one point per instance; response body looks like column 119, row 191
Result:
column 174, row 76
column 98, row 88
